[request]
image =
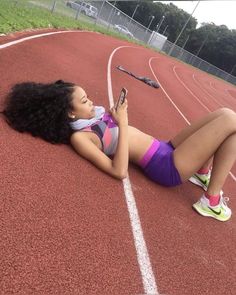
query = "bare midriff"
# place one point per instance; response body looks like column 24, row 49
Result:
column 139, row 142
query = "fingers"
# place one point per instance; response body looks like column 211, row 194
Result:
column 124, row 105
column 113, row 111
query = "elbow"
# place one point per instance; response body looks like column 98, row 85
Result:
column 120, row 175
column 123, row 175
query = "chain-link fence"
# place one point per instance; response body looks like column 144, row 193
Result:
column 105, row 14
column 187, row 57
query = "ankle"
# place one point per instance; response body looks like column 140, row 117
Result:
column 203, row 170
column 213, row 199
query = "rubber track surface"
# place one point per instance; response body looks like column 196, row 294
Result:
column 64, row 225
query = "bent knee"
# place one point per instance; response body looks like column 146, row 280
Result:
column 226, row 111
column 229, row 121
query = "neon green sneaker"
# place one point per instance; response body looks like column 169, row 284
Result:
column 201, row 179
column 220, row 212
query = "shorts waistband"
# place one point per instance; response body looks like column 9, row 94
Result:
column 149, row 153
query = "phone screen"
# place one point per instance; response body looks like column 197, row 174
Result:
column 122, row 97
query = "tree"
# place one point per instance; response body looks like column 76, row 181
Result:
column 215, row 44
column 175, row 18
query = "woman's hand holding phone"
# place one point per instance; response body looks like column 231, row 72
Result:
column 122, row 97
column 119, row 111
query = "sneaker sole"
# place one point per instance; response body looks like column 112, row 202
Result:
column 204, row 213
column 197, row 182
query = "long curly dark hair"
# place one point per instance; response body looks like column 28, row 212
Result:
column 41, row 109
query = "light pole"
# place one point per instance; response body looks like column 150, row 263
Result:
column 133, row 14
column 200, row 48
column 153, row 35
column 160, row 23
column 172, row 47
column 202, row 45
column 152, row 18
column 185, row 42
column 231, row 72
column 165, row 30
column 204, row 41
column 182, row 49
column 134, row 11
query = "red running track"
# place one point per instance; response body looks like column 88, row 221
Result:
column 65, row 227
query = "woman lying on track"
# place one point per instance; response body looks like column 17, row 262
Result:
column 61, row 112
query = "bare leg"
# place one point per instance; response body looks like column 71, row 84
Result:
column 215, row 138
column 208, row 164
column 191, row 129
column 223, row 161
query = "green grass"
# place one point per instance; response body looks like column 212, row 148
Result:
column 19, row 15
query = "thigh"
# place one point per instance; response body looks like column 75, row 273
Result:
column 189, row 130
column 194, row 151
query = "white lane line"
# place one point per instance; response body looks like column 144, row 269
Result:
column 228, row 93
column 208, row 93
column 186, row 87
column 204, row 90
column 148, row 278
column 225, row 90
column 38, row 36
column 231, row 174
column 109, row 84
column 211, row 84
column 175, row 106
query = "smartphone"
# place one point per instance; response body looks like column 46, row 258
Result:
column 122, row 96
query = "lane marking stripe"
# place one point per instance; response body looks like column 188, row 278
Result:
column 37, row 36
column 207, row 93
column 175, row 106
column 185, row 86
column 148, row 278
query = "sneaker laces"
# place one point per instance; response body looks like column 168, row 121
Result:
column 223, row 199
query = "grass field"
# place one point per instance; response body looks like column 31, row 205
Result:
column 18, row 15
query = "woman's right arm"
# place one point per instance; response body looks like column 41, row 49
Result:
column 121, row 157
column 117, row 167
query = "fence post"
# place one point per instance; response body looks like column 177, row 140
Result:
column 110, row 18
column 99, row 13
column 53, row 6
column 79, row 10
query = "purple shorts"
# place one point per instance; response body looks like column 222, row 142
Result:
column 158, row 164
